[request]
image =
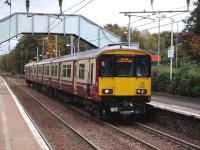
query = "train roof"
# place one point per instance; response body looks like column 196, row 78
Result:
column 83, row 55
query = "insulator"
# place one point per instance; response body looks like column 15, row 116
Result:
column 60, row 5
column 27, row 5
column 188, row 4
column 151, row 2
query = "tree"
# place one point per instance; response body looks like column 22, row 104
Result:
column 120, row 31
column 193, row 29
column 146, row 40
column 195, row 46
column 193, row 22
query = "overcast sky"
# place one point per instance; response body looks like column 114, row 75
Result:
column 104, row 12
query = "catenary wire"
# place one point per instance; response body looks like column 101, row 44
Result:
column 63, row 12
column 71, row 14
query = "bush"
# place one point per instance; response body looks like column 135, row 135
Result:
column 186, row 79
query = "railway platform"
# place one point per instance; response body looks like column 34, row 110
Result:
column 178, row 104
column 16, row 130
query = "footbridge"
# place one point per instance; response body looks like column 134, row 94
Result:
column 35, row 23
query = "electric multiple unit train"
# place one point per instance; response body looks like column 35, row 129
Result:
column 115, row 79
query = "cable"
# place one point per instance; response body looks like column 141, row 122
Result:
column 163, row 18
column 72, row 14
column 3, row 45
column 155, row 14
column 160, row 26
column 63, row 13
column 160, row 19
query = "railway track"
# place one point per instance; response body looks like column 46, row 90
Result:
column 66, row 125
column 165, row 137
column 174, row 140
column 122, row 133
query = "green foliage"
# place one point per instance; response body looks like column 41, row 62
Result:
column 194, row 44
column 25, row 50
column 193, row 22
column 185, row 81
column 191, row 41
column 120, row 31
column 146, row 40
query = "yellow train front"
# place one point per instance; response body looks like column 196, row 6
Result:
column 124, row 81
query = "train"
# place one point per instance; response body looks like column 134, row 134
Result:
column 112, row 80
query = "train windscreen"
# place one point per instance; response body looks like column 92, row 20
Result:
column 125, row 66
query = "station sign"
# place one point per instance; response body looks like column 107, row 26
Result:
column 171, row 52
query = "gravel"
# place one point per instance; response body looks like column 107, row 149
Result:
column 55, row 132
column 98, row 133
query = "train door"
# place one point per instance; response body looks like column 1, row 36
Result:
column 59, row 73
column 42, row 73
column 75, row 76
column 90, row 78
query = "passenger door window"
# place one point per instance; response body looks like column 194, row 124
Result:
column 81, row 71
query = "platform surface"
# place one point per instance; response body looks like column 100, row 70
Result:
column 180, row 104
column 15, row 134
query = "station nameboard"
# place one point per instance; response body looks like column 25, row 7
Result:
column 171, row 52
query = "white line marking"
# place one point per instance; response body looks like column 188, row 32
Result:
column 34, row 131
column 160, row 105
column 5, row 131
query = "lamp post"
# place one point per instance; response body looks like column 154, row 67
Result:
column 72, row 44
column 158, row 41
column 172, row 49
column 129, row 30
column 177, row 46
column 43, row 45
column 158, row 45
column 37, row 49
column 56, row 45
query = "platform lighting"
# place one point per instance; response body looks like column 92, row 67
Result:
column 162, row 16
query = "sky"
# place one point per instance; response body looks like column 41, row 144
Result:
column 104, row 12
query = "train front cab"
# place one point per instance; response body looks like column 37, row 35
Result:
column 125, row 81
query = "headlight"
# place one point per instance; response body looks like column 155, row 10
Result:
column 141, row 91
column 107, row 91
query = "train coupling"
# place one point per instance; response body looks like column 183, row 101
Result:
column 121, row 112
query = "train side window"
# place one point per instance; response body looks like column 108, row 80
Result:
column 40, row 71
column 35, row 70
column 47, row 70
column 52, row 70
column 56, row 71
column 68, row 71
column 81, row 71
column 91, row 73
column 64, row 71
